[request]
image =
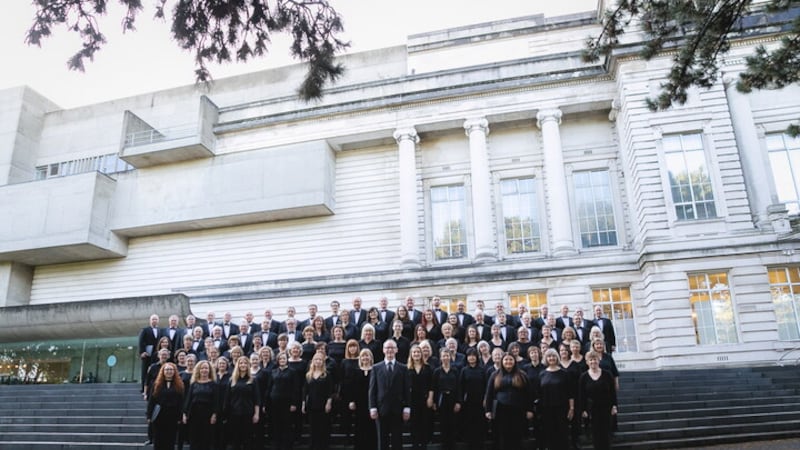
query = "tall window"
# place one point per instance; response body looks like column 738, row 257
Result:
column 533, row 300
column 712, row 309
column 784, row 286
column 689, row 180
column 784, row 156
column 448, row 208
column 595, row 208
column 520, row 215
column 617, row 306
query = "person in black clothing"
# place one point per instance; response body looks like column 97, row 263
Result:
column 508, row 403
column 597, row 398
column 471, row 389
column 284, row 401
column 357, row 398
column 201, row 407
column 575, row 370
column 186, row 378
column 368, row 341
column 337, row 344
column 167, row 399
column 403, row 344
column 420, row 378
column 445, row 392
column 557, row 404
column 242, row 405
column 318, row 402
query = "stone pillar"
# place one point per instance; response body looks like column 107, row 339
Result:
column 755, row 164
column 477, row 129
column 409, row 240
column 555, row 182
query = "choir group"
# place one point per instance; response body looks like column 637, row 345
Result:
column 375, row 372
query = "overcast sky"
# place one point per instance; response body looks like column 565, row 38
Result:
column 148, row 60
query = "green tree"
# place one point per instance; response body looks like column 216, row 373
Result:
column 214, row 30
column 700, row 31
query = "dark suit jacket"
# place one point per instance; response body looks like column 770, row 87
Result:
column 389, row 317
column 441, row 316
column 389, row 392
column 511, row 334
column 177, row 340
column 360, row 319
column 247, row 345
column 513, row 321
column 416, row 316
column 539, row 322
column 269, row 339
column 466, row 321
column 583, row 334
column 608, row 332
column 329, row 322
column 561, row 325
column 148, row 338
column 207, row 327
column 232, row 329
column 486, row 332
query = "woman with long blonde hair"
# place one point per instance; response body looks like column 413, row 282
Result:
column 201, row 408
column 242, row 405
column 318, row 402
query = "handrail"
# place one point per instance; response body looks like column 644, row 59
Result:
column 144, row 137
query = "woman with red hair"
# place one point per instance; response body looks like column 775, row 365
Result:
column 164, row 407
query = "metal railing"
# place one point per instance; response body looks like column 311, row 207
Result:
column 151, row 136
column 785, row 358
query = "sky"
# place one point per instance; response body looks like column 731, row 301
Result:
column 148, row 59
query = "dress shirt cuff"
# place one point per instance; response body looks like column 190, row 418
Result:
column 373, row 410
column 406, row 410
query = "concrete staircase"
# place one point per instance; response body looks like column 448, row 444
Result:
column 690, row 408
column 72, row 416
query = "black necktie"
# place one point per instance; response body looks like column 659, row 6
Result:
column 391, row 366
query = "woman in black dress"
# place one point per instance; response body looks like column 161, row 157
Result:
column 337, row 343
column 557, row 403
column 242, row 408
column 346, row 374
column 575, row 370
column 405, row 319
column 309, row 345
column 431, row 325
column 201, row 407
column 350, row 330
column 445, row 392
column 318, row 402
column 471, row 340
column 471, row 389
column 381, row 327
column 497, row 340
column 167, row 398
column 508, row 403
column 366, row 436
column 320, row 332
column 403, row 344
column 420, row 378
column 597, row 396
column 368, row 341
column 284, row 401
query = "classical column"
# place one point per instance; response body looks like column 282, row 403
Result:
column 477, row 129
column 755, row 165
column 409, row 240
column 555, row 182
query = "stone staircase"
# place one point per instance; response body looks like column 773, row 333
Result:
column 690, row 408
column 665, row 409
column 72, row 416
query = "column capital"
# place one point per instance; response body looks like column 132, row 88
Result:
column 475, row 124
column 406, row 133
column 546, row 115
column 614, row 112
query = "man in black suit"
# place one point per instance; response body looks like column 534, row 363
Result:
column 508, row 332
column 484, row 329
column 544, row 310
column 148, row 340
column 581, row 329
column 210, row 323
column 607, row 328
column 290, row 314
column 384, row 313
column 245, row 338
column 436, row 306
column 228, row 327
column 312, row 314
column 414, row 314
column 333, row 319
column 191, row 322
column 174, row 334
column 274, row 325
column 357, row 315
column 251, row 324
column 481, row 305
column 268, row 338
column 588, row 323
column 564, row 320
column 389, row 398
column 291, row 330
column 464, row 318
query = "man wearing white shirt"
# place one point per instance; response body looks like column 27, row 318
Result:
column 389, row 398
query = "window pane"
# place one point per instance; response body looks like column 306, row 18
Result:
column 617, row 306
column 520, row 215
column 690, row 183
column 785, row 292
column 594, row 208
column 712, row 308
column 448, row 219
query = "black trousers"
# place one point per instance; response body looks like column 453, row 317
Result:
column 390, row 431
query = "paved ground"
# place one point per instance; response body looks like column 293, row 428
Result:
column 782, row 444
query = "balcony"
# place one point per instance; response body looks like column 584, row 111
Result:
column 146, row 146
column 59, row 220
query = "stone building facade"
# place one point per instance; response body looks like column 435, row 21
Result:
column 485, row 162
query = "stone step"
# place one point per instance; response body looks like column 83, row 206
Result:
column 65, row 410
column 73, row 419
column 748, row 408
column 710, row 439
column 102, row 428
column 709, row 420
column 699, row 404
column 708, row 430
column 679, row 397
column 70, row 437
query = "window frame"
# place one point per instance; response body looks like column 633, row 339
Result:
column 608, row 310
column 430, row 249
column 536, row 175
column 732, row 300
column 795, row 308
column 612, row 167
column 774, row 185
